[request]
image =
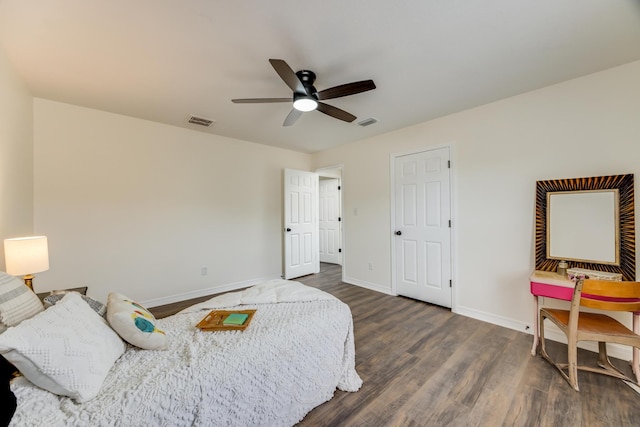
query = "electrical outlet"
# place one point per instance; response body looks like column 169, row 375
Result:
column 370, row 266
column 203, row 271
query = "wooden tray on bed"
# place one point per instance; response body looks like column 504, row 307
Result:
column 213, row 320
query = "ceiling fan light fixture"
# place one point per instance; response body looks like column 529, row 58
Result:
column 306, row 97
column 305, row 103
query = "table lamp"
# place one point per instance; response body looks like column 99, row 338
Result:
column 24, row 256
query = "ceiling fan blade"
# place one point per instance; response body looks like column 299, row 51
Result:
column 293, row 116
column 335, row 112
column 286, row 73
column 346, row 89
column 260, row 100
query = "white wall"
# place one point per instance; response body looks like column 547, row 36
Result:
column 16, row 150
column 140, row 207
column 584, row 127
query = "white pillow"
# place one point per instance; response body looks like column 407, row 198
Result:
column 67, row 349
column 134, row 323
column 97, row 306
column 17, row 301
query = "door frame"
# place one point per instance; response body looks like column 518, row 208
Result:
column 452, row 204
column 324, row 171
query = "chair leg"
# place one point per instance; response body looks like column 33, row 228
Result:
column 543, row 349
column 603, row 359
column 572, row 349
column 559, row 366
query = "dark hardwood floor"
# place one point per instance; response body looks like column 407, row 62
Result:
column 425, row 366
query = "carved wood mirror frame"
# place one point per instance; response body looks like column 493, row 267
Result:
column 626, row 210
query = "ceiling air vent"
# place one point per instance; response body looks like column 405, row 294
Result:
column 367, row 122
column 195, row 120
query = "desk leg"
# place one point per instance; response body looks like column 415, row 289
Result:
column 536, row 326
column 635, row 363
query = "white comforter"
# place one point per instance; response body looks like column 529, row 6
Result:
column 298, row 348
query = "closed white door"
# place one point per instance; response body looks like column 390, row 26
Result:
column 301, row 223
column 422, row 233
column 330, row 221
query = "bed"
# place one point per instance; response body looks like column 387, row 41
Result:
column 297, row 350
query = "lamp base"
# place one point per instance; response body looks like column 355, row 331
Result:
column 28, row 280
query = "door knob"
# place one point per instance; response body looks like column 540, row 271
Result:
column 288, row 229
column 398, row 233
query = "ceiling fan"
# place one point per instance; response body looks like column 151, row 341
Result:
column 306, row 97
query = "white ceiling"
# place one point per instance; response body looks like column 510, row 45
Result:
column 163, row 60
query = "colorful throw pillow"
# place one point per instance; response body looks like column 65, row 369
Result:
column 17, row 301
column 134, row 323
column 67, row 349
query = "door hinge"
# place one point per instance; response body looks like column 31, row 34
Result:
column 340, row 250
column 450, row 282
column 449, row 164
column 339, row 188
column 449, row 223
column 339, row 218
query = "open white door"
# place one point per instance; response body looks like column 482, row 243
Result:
column 300, row 224
column 329, row 221
column 422, row 241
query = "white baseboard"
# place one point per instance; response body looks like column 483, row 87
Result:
column 551, row 332
column 367, row 285
column 170, row 299
column 492, row 318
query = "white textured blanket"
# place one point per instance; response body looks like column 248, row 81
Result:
column 298, row 348
column 271, row 292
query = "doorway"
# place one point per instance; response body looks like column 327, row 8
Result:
column 330, row 219
column 331, row 216
column 304, row 245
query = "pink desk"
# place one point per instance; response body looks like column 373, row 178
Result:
column 552, row 285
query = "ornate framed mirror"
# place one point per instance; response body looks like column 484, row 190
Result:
column 589, row 222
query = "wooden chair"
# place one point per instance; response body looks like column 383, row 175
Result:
column 585, row 326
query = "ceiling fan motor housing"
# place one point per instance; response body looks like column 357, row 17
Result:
column 307, row 78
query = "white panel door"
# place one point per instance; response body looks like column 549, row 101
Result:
column 329, row 221
column 301, row 223
column 422, row 241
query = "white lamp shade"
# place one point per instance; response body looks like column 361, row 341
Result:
column 26, row 255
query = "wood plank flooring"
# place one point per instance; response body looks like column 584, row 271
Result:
column 425, row 366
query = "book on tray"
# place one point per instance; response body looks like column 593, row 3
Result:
column 226, row 320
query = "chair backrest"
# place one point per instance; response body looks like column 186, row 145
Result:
column 609, row 295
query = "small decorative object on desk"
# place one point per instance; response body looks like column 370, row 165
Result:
column 576, row 277
column 562, row 268
column 592, row 274
column 225, row 320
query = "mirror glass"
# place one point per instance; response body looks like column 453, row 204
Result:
column 583, row 226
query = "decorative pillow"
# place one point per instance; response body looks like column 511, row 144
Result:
column 134, row 323
column 67, row 349
column 17, row 301
column 97, row 306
